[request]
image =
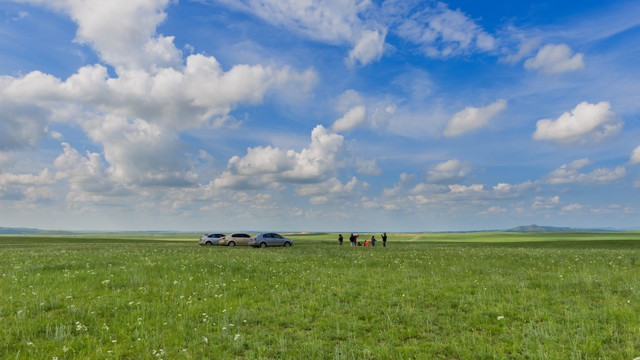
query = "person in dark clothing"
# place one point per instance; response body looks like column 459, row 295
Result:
column 384, row 240
column 352, row 240
column 340, row 239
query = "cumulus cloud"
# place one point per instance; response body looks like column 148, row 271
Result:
column 43, row 178
column 140, row 152
column 448, row 171
column 545, row 203
column 332, row 189
column 572, row 207
column 570, row 174
column 367, row 167
column 493, row 210
column 86, row 175
column 441, row 32
column 404, row 180
column 368, row 48
column 21, row 125
column 354, row 117
column 555, row 58
column 635, row 156
column 526, row 47
column 186, row 98
column 593, row 121
column 121, row 31
column 333, row 22
column 153, row 82
column 26, row 187
column 264, row 165
column 472, row 118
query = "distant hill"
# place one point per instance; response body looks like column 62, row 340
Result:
column 27, row 231
column 537, row 228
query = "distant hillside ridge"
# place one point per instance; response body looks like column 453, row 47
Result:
column 29, row 231
column 538, row 228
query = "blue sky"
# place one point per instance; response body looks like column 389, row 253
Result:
column 319, row 115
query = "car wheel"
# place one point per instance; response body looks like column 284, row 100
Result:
column 231, row 243
column 263, row 245
column 287, row 244
column 208, row 243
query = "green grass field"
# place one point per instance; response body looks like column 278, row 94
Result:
column 424, row 296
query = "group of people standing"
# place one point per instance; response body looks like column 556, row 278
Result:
column 353, row 239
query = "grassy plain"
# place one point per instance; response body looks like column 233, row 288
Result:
column 424, row 296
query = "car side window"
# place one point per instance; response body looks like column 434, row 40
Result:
column 277, row 236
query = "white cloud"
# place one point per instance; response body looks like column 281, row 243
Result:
column 555, row 58
column 192, row 97
column 594, row 121
column 333, row 22
column 318, row 200
column 367, row 167
column 569, row 174
column 20, row 126
column 141, row 153
column 526, row 47
column 572, row 207
column 354, row 117
column 6, row 158
column 441, row 32
column 153, row 83
column 21, row 15
column 86, row 175
column 347, row 100
column 332, row 188
column 368, row 48
column 121, row 31
column 635, row 156
column 472, row 118
column 465, row 189
column 264, row 165
column 493, row 210
column 448, row 171
column 545, row 203
column 404, row 180
column 29, row 188
column 43, row 178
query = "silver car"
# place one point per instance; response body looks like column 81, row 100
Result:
column 269, row 239
column 235, row 239
column 210, row 239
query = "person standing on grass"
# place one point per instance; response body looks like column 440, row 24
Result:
column 340, row 239
column 352, row 240
column 384, row 240
column 373, row 240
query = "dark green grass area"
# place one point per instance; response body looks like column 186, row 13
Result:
column 422, row 297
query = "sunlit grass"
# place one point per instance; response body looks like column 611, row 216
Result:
column 167, row 298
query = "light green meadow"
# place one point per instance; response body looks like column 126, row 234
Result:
column 424, row 296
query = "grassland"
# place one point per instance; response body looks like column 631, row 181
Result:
column 424, row 296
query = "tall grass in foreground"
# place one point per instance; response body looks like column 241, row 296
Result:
column 317, row 300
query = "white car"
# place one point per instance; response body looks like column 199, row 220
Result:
column 235, row 239
column 210, row 239
column 269, row 239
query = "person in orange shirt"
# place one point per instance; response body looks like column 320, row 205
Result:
column 367, row 243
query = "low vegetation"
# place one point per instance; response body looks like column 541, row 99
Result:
column 424, row 296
